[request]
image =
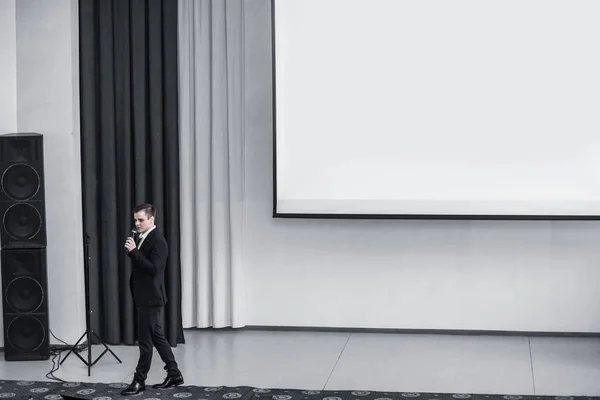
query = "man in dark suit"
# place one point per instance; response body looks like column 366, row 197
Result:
column 149, row 259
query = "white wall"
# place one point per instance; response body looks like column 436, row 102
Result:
column 472, row 275
column 47, row 101
column 8, row 67
column 8, row 81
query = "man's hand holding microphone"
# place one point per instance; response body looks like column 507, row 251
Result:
column 130, row 243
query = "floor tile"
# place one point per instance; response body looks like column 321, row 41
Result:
column 434, row 363
column 566, row 366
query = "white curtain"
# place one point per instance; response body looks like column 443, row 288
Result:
column 211, row 97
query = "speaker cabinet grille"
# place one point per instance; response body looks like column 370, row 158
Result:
column 22, row 147
column 22, row 221
column 22, row 206
column 25, row 304
column 20, row 182
column 24, row 295
column 23, row 240
column 26, row 333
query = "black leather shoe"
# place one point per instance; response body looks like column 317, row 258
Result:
column 135, row 388
column 169, row 382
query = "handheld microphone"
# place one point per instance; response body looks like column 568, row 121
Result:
column 133, row 233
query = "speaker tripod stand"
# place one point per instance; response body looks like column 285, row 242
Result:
column 88, row 332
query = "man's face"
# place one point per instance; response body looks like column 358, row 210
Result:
column 142, row 222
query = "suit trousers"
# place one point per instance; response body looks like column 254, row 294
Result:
column 151, row 332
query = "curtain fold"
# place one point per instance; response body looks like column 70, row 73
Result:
column 130, row 150
column 211, row 106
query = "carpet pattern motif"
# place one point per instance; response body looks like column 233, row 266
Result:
column 26, row 390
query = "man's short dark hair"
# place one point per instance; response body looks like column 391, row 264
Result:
column 147, row 208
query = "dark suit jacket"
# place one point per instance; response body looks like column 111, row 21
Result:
column 149, row 261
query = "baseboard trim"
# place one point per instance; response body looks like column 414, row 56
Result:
column 424, row 331
column 460, row 332
column 61, row 347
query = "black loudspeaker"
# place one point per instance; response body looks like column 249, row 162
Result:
column 25, row 304
column 23, row 240
column 22, row 200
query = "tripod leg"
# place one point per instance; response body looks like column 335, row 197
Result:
column 100, row 356
column 89, row 341
column 107, row 349
column 74, row 347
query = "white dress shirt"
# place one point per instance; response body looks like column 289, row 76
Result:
column 142, row 236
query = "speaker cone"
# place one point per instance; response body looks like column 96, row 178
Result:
column 26, row 333
column 24, row 294
column 22, row 221
column 20, row 182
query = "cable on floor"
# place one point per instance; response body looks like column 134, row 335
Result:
column 56, row 351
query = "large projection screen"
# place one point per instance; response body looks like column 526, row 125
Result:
column 437, row 108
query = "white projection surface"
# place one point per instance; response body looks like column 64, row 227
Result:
column 437, row 107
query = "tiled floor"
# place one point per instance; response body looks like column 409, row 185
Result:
column 367, row 361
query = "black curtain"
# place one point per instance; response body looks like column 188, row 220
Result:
column 130, row 150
